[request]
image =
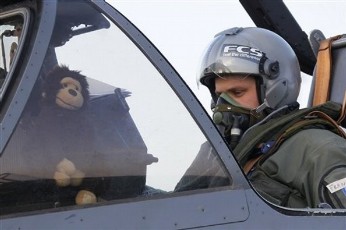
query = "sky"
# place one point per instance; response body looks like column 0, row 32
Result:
column 182, row 29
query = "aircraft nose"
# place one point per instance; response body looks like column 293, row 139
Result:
column 72, row 92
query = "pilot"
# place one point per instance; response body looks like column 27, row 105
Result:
column 293, row 157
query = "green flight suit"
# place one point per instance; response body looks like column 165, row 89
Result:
column 305, row 165
column 307, row 168
column 298, row 173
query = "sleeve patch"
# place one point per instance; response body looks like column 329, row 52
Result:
column 337, row 185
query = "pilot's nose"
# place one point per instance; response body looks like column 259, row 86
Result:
column 72, row 92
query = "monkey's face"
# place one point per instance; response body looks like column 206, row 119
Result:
column 70, row 95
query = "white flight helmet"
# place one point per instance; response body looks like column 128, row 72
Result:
column 260, row 53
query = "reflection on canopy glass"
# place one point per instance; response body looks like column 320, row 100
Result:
column 101, row 124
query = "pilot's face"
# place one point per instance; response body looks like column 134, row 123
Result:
column 240, row 88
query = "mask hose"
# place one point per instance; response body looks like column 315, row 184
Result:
column 232, row 120
column 235, row 132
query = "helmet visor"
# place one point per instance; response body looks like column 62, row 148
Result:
column 234, row 59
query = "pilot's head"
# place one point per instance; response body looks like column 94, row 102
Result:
column 249, row 72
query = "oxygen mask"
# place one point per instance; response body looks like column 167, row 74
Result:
column 232, row 119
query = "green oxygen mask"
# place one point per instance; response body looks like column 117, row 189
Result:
column 232, row 119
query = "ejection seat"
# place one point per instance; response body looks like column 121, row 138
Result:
column 329, row 80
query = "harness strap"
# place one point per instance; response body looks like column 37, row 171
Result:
column 334, row 123
column 310, row 120
column 250, row 164
column 323, row 119
column 323, row 71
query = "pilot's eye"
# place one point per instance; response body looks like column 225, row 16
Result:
column 238, row 93
column 64, row 85
column 76, row 88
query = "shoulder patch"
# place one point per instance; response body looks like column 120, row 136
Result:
column 337, row 185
